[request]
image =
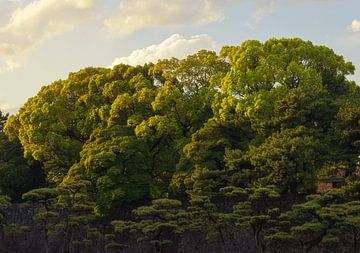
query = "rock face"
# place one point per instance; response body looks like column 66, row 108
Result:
column 33, row 239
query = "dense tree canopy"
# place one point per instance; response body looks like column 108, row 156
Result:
column 17, row 175
column 263, row 126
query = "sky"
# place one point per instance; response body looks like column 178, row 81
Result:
column 42, row 41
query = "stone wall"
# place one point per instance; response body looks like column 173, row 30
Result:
column 33, row 240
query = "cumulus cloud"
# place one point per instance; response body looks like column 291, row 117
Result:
column 175, row 46
column 263, row 8
column 6, row 8
column 133, row 15
column 36, row 21
column 355, row 26
column 11, row 109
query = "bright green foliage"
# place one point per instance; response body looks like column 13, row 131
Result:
column 279, row 100
column 39, row 129
column 259, row 125
column 53, row 125
column 188, row 91
column 289, row 62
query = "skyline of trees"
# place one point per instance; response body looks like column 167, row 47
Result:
column 211, row 144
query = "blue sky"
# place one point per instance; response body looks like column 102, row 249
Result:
column 43, row 40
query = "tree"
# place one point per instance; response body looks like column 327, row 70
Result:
column 205, row 218
column 330, row 218
column 117, row 165
column 346, row 131
column 346, row 228
column 291, row 63
column 17, row 174
column 46, row 198
column 260, row 124
column 4, row 203
column 76, row 212
column 288, row 159
column 257, row 210
column 156, row 223
column 160, row 134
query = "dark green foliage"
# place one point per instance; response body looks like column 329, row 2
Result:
column 45, row 197
column 17, row 175
column 76, row 213
column 244, row 139
column 204, row 217
column 4, row 203
column 14, row 229
column 329, row 219
column 257, row 211
column 156, row 223
column 289, row 159
column 118, row 167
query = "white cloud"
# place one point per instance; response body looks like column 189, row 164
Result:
column 136, row 14
column 40, row 19
column 355, row 26
column 6, row 8
column 263, row 8
column 175, row 46
column 11, row 109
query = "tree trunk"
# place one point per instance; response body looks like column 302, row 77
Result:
column 355, row 241
column 309, row 245
column 70, row 241
column 221, row 236
column 46, row 243
column 259, row 244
